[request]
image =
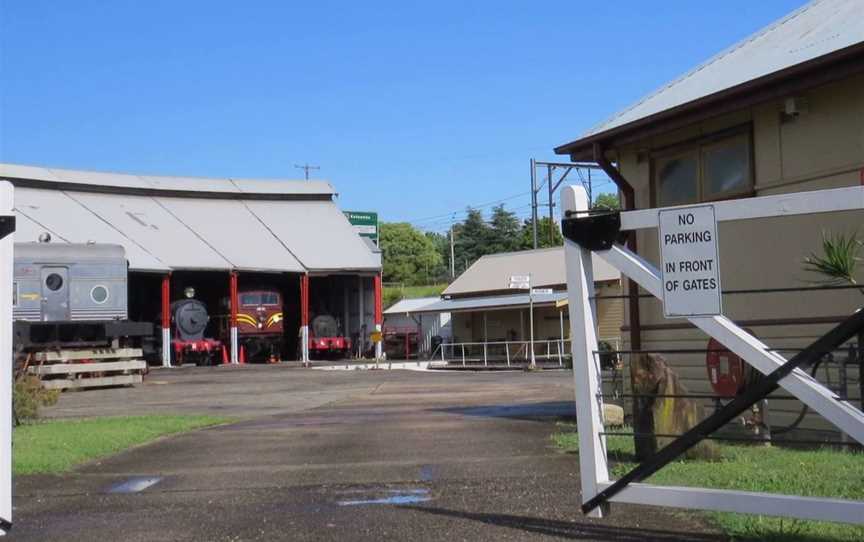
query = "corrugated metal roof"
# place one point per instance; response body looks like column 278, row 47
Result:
column 230, row 236
column 546, row 266
column 227, row 186
column 816, row 29
column 143, row 220
column 68, row 221
column 161, row 230
column 404, row 306
column 318, row 233
column 495, row 302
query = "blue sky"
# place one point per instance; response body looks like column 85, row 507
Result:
column 412, row 109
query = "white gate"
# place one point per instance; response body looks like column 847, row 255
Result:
column 7, row 229
column 585, row 234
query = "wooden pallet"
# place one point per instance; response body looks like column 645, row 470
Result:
column 105, row 367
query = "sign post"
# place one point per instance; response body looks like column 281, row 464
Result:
column 523, row 282
column 690, row 263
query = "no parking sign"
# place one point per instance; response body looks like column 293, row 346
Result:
column 690, row 264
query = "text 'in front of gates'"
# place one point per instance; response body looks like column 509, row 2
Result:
column 690, row 266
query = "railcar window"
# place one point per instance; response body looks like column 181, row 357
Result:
column 269, row 299
column 54, row 282
column 250, row 299
column 99, row 294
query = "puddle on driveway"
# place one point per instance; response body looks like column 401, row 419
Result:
column 397, row 496
column 135, row 484
column 427, row 473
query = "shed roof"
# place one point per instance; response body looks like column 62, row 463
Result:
column 820, row 29
column 491, row 303
column 406, row 306
column 166, row 223
column 491, row 273
column 100, row 181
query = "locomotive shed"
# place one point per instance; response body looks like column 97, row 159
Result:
column 219, row 236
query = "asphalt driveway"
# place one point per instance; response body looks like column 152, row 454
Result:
column 339, row 455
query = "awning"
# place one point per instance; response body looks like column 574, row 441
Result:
column 491, row 303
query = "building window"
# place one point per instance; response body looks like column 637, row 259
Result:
column 712, row 170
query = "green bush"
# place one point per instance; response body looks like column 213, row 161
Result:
column 28, row 396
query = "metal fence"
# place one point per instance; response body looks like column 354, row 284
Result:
column 508, row 352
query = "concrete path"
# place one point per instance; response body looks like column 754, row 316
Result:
column 366, row 455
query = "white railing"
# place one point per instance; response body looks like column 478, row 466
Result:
column 509, row 352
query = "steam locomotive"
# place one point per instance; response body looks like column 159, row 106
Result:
column 189, row 319
column 326, row 339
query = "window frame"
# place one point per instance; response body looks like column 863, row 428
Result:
column 698, row 146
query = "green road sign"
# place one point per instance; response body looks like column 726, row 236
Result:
column 365, row 223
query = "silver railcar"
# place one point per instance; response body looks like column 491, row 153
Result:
column 71, row 294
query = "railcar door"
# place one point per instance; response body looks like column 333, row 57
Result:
column 55, row 294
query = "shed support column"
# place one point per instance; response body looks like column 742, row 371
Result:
column 346, row 322
column 361, row 311
column 166, row 320
column 234, row 304
column 304, row 319
column 379, row 318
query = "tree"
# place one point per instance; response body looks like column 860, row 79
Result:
column 607, row 200
column 503, row 231
column 408, row 256
column 526, row 238
column 441, row 272
column 472, row 238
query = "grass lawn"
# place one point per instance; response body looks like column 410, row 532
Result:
column 817, row 473
column 56, row 446
column 392, row 294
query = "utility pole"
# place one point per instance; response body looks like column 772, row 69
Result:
column 549, row 169
column 306, row 167
column 452, row 254
column 533, row 203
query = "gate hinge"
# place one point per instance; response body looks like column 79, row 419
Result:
column 593, row 231
column 7, row 225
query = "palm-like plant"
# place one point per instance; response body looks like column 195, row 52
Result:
column 839, row 259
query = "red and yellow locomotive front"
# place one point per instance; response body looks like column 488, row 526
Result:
column 259, row 324
column 259, row 313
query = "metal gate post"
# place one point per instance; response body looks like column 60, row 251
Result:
column 586, row 367
column 7, row 240
column 463, row 354
column 485, row 363
column 507, row 350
